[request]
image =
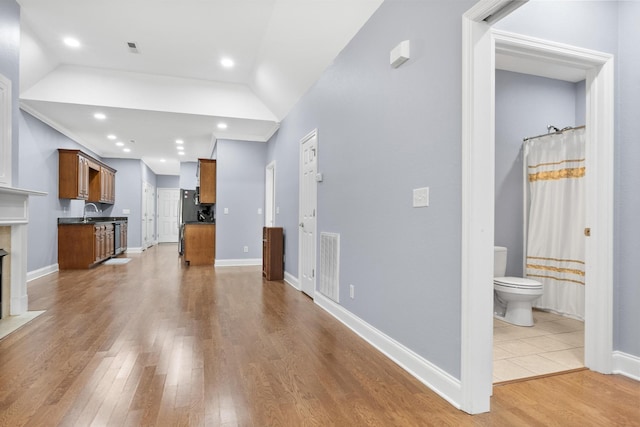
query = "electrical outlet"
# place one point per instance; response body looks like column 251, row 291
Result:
column 277, row 210
column 246, row 249
column 226, row 211
column 352, row 291
column 259, row 211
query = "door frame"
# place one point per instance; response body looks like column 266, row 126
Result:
column 313, row 133
column 480, row 43
column 270, row 195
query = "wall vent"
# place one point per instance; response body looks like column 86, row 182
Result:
column 133, row 48
column 329, row 265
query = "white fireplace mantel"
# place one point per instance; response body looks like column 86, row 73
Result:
column 14, row 212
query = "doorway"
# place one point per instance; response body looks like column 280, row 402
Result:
column 307, row 215
column 168, row 199
column 481, row 44
column 270, row 195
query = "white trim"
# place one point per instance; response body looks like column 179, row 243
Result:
column 270, row 184
column 479, row 48
column 424, row 371
column 237, row 262
column 292, row 280
column 131, row 250
column 6, row 104
column 626, row 364
column 41, row 272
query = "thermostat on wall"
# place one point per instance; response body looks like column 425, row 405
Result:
column 400, row 54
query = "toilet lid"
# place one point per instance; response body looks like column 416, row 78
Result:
column 517, row 282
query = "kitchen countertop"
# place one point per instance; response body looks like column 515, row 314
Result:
column 92, row 220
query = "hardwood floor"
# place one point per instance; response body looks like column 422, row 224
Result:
column 153, row 342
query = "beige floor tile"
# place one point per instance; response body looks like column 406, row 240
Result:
column 547, row 343
column 561, row 326
column 499, row 353
column 544, row 316
column 537, row 364
column 512, row 332
column 572, row 358
column 518, row 347
column 504, row 370
column 574, row 339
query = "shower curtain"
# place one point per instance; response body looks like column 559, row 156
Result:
column 555, row 169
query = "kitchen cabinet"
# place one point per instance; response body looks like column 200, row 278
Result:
column 207, row 180
column 200, row 243
column 80, row 176
column 82, row 245
column 272, row 253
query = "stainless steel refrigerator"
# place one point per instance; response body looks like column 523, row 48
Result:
column 187, row 212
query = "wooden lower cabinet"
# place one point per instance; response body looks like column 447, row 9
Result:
column 81, row 246
column 272, row 253
column 200, row 244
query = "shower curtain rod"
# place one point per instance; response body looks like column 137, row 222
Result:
column 558, row 131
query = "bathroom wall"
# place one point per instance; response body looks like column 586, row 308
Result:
column 525, row 105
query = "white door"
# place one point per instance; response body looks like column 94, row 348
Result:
column 308, row 206
column 168, row 199
column 270, row 195
column 148, row 214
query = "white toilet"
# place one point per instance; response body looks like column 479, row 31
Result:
column 512, row 296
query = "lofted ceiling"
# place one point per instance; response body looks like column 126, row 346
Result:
column 174, row 86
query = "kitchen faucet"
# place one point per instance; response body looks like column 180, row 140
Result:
column 84, row 217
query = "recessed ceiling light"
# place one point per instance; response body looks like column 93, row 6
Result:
column 162, row 160
column 126, row 150
column 71, row 42
column 181, row 153
column 222, row 125
column 112, row 137
column 100, row 116
column 179, row 141
column 120, row 143
column 227, row 62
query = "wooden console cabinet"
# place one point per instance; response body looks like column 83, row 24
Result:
column 272, row 253
column 200, row 243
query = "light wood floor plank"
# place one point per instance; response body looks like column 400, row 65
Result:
column 157, row 343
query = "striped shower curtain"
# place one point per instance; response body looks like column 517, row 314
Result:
column 555, row 169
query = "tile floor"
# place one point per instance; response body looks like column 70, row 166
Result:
column 554, row 344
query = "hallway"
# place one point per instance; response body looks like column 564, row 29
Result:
column 153, row 342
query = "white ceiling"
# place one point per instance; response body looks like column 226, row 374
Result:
column 175, row 86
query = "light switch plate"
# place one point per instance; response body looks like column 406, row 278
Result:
column 421, row 197
column 226, row 211
column 126, row 211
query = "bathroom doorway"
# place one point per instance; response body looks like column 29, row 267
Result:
column 525, row 105
column 481, row 46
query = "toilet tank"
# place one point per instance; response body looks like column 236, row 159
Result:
column 499, row 261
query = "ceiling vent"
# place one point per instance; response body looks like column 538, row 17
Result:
column 133, row 48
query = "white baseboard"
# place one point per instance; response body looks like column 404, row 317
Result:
column 134, row 250
column 626, row 364
column 36, row 274
column 238, row 262
column 291, row 280
column 448, row 387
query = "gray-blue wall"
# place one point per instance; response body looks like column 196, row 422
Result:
column 382, row 133
column 10, row 68
column 168, row 181
column 129, row 196
column 627, row 201
column 525, row 105
column 240, row 188
column 188, row 179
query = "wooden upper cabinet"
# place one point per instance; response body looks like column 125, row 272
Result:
column 80, row 176
column 207, row 180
